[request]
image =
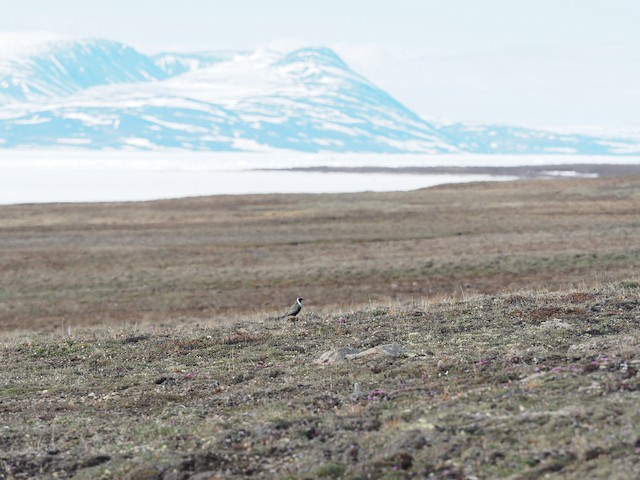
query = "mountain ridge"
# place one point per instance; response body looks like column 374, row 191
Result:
column 101, row 94
column 63, row 67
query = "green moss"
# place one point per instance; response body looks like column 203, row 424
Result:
column 329, row 470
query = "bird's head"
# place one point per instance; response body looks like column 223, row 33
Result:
column 299, row 300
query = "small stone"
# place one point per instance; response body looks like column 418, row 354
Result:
column 347, row 353
column 556, row 323
column 388, row 350
column 135, row 338
column 333, row 356
column 357, row 393
column 204, row 476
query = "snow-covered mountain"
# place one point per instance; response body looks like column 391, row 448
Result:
column 45, row 68
column 177, row 63
column 99, row 94
column 505, row 139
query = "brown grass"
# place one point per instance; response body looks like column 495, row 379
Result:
column 140, row 340
column 490, row 389
column 88, row 264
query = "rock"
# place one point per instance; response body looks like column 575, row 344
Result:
column 144, row 473
column 333, row 356
column 135, row 338
column 357, row 393
column 95, row 461
column 556, row 323
column 390, row 350
column 348, row 353
column 204, row 476
column 165, row 381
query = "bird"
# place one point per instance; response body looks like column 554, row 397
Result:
column 294, row 310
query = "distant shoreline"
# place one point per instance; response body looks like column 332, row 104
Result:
column 64, row 177
column 94, row 263
column 521, row 171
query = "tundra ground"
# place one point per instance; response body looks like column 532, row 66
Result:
column 493, row 332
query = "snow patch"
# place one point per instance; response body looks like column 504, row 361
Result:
column 184, row 127
column 91, row 120
column 16, row 45
column 74, row 141
column 622, row 148
column 138, row 142
column 568, row 150
column 35, row 120
column 568, row 173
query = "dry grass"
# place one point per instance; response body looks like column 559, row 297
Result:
column 140, row 340
column 527, row 385
column 92, row 264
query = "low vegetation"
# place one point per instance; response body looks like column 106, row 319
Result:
column 94, row 264
column 520, row 385
column 462, row 332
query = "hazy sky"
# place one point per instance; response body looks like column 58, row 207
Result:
column 526, row 62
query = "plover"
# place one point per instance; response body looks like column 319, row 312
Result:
column 294, row 310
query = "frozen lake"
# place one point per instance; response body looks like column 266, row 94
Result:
column 81, row 176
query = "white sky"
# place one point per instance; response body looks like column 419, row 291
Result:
column 527, row 62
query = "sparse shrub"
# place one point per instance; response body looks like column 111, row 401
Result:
column 329, row 470
column 578, row 297
column 630, row 284
column 379, row 312
column 517, row 300
column 483, row 390
column 238, row 338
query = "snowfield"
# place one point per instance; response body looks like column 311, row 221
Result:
column 85, row 176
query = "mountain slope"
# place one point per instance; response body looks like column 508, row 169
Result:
column 100, row 94
column 505, row 139
column 307, row 100
column 55, row 68
column 177, row 63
